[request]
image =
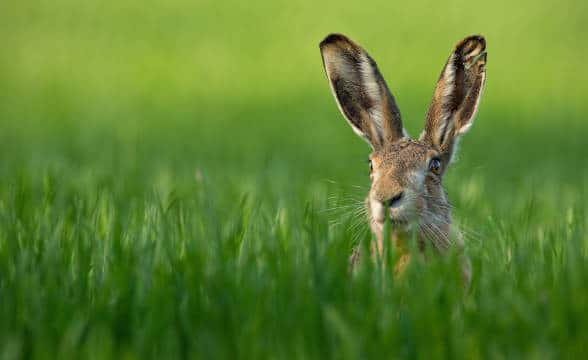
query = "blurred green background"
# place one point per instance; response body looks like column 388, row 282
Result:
column 175, row 178
column 216, row 78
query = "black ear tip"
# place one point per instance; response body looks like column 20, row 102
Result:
column 334, row 38
column 471, row 45
column 481, row 39
column 477, row 39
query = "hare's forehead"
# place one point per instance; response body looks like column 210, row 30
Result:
column 404, row 153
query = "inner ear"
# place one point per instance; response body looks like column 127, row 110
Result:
column 360, row 91
column 457, row 95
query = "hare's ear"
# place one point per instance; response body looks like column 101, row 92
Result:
column 360, row 91
column 457, row 95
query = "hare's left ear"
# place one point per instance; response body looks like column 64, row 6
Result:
column 457, row 96
column 361, row 92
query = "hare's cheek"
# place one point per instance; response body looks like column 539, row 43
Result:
column 374, row 176
column 417, row 181
column 420, row 203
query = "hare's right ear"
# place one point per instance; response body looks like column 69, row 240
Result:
column 456, row 96
column 360, row 91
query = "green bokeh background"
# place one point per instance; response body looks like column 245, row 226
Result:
column 218, row 78
column 173, row 176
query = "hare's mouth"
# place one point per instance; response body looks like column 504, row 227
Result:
column 396, row 219
column 400, row 215
column 400, row 224
column 397, row 225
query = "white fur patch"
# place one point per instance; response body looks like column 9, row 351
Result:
column 417, row 177
column 449, row 76
column 449, row 80
column 464, row 129
column 405, row 133
column 372, row 88
column 422, row 135
column 377, row 210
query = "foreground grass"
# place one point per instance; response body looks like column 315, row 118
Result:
column 121, row 242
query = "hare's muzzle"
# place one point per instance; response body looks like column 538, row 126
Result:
column 396, row 208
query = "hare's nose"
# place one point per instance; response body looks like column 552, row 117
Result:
column 395, row 201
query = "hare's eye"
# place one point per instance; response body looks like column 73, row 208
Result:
column 435, row 166
column 371, row 165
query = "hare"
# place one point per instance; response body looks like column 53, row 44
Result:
column 406, row 174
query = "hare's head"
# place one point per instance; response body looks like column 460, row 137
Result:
column 406, row 174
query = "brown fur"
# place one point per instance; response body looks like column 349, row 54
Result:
column 404, row 188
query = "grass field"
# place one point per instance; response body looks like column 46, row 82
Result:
column 176, row 181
